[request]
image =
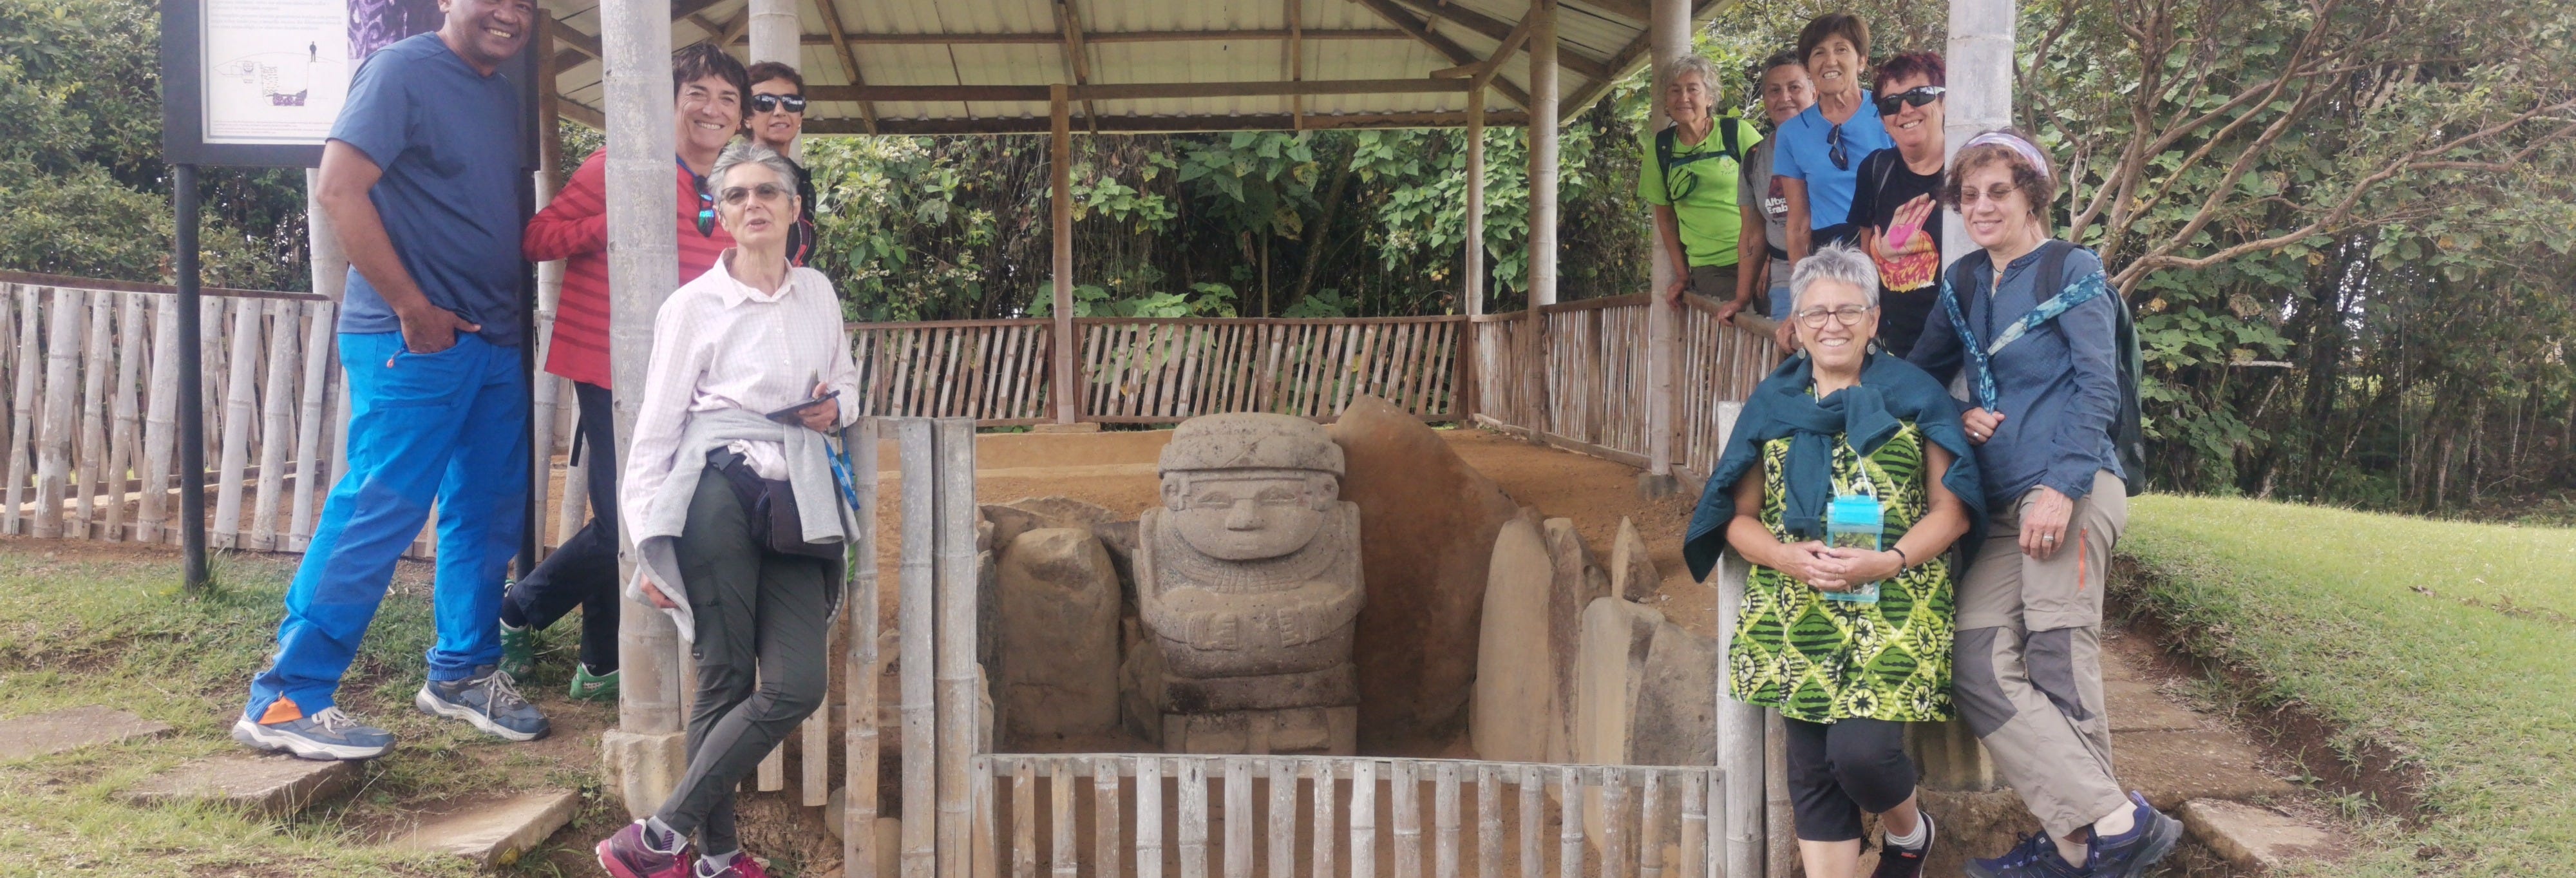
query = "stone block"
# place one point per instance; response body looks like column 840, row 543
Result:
column 1675, row 719
column 1610, row 665
column 72, row 728
column 2134, row 706
column 1632, row 570
column 1517, row 702
column 1011, row 519
column 1292, row 732
column 1428, row 522
column 643, row 769
column 2173, row 767
column 1950, row 757
column 495, row 833
column 2256, row 839
column 1059, row 630
column 887, row 831
column 275, row 785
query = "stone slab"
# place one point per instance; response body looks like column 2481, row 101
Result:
column 71, row 728
column 275, row 785
column 497, row 832
column 2174, row 767
column 2256, row 839
column 2136, row 706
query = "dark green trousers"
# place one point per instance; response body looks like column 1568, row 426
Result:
column 763, row 628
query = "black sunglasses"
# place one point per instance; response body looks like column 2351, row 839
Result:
column 706, row 211
column 1916, row 96
column 1841, row 157
column 770, row 103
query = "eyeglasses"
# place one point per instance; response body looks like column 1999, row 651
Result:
column 1840, row 156
column 1916, row 97
column 1995, row 193
column 771, row 103
column 736, row 196
column 1847, row 315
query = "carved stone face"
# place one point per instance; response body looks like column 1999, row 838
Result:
column 1248, row 515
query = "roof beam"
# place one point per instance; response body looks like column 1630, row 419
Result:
column 1077, row 59
column 1135, row 91
column 1485, row 70
column 840, row 38
column 681, row 9
column 1447, row 47
column 576, row 40
column 1633, row 10
column 1169, row 124
column 1497, row 31
column 1627, row 59
column 581, row 112
column 1096, row 37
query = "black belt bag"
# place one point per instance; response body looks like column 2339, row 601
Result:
column 770, row 504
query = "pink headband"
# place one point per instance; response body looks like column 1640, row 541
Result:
column 2018, row 145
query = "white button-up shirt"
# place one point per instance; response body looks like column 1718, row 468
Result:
column 718, row 344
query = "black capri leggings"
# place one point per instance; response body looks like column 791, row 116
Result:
column 1839, row 769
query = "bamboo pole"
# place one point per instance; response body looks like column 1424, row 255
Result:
column 1444, row 811
column 1532, row 790
column 1149, row 817
column 1668, row 33
column 1569, row 836
column 122, row 440
column 1321, row 773
column 1060, row 202
column 988, row 841
column 277, row 421
column 1194, row 817
column 94, row 477
column 308, row 424
column 1238, row 818
column 860, row 605
column 1739, row 811
column 958, row 579
column 1405, row 794
column 1489, row 821
column 1615, row 862
column 54, row 433
column 240, row 397
column 1024, row 820
column 772, row 775
column 160, row 424
column 22, row 408
column 1779, row 840
column 916, row 620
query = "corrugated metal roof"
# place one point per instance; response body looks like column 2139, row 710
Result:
column 1134, row 42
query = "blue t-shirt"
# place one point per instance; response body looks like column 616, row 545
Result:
column 447, row 139
column 1803, row 154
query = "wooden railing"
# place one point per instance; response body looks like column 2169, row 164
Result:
column 1588, row 388
column 1321, row 816
column 1152, row 371
column 995, row 371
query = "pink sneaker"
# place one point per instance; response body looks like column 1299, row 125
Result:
column 743, row 867
column 625, row 855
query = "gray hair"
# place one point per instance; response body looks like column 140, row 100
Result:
column 749, row 153
column 1836, row 262
column 1694, row 62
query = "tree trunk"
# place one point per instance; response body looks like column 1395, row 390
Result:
column 1319, row 233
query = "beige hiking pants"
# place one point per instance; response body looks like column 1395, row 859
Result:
column 2029, row 675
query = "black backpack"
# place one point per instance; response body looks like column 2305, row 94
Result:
column 1666, row 139
column 2128, row 425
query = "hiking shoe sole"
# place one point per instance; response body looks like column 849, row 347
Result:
column 259, row 737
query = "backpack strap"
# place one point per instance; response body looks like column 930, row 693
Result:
column 1726, row 129
column 1664, row 159
column 2052, row 262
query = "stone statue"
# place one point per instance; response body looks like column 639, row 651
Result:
column 1247, row 584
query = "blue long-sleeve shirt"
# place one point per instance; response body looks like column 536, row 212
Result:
column 2058, row 385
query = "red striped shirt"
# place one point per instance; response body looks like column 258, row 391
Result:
column 574, row 228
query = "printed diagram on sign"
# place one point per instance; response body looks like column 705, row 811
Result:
column 283, row 80
column 277, row 71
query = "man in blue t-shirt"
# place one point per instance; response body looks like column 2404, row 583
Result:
column 420, row 177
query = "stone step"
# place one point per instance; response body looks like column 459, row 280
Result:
column 496, row 832
column 2174, row 767
column 274, row 785
column 2257, row 839
column 71, row 728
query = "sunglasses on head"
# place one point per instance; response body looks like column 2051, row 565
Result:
column 1914, row 97
column 1841, row 157
column 706, row 212
column 771, row 103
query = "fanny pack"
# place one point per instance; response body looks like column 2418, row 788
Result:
column 770, row 504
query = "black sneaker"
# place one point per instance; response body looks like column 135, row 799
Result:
column 2035, row 857
column 2128, row 854
column 1904, row 862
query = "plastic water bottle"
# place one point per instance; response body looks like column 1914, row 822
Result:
column 1855, row 521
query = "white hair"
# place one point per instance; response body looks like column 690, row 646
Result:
column 1694, row 62
column 749, row 153
column 1836, row 262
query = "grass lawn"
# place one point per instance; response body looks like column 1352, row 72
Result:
column 91, row 624
column 2450, row 644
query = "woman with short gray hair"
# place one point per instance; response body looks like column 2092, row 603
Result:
column 1690, row 177
column 1845, row 483
column 736, row 507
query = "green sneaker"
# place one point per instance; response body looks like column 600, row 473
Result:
column 586, row 687
column 518, row 650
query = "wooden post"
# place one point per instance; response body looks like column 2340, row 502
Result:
column 1739, row 725
column 1238, row 817
column 1669, row 33
column 239, row 394
column 277, row 422
column 93, row 422
column 545, row 392
column 127, row 433
column 916, row 620
column 54, row 434
column 1060, row 200
column 773, row 31
column 1283, row 819
column 1472, row 277
column 1105, row 818
column 1543, row 87
column 1321, row 866
column 22, row 407
column 859, row 763
column 1149, row 817
column 1569, row 836
column 956, row 570
column 160, row 421
column 319, row 333
column 643, row 269
column 1364, row 819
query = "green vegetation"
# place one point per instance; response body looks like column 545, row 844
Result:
column 82, row 625
column 2446, row 643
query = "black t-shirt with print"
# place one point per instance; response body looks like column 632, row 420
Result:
column 1908, row 275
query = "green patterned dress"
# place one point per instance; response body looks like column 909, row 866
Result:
column 1819, row 660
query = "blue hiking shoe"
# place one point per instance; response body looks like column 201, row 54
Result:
column 2128, row 854
column 323, row 736
column 2035, row 857
column 489, row 700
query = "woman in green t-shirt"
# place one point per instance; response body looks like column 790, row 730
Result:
column 1690, row 177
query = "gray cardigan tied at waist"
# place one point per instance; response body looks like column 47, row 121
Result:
column 666, row 513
